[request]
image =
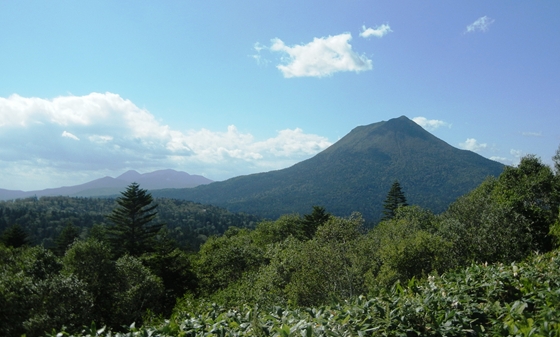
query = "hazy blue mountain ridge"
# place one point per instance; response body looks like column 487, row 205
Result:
column 112, row 186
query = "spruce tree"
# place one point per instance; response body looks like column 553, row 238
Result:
column 133, row 229
column 311, row 222
column 395, row 199
column 14, row 236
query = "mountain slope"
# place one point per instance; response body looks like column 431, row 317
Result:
column 355, row 174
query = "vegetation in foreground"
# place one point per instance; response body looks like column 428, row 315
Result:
column 260, row 282
column 519, row 299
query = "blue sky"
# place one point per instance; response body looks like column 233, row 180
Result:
column 225, row 88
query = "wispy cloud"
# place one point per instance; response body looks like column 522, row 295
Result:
column 114, row 135
column 321, row 57
column 531, row 134
column 502, row 160
column 480, row 25
column 518, row 154
column 472, row 144
column 258, row 57
column 430, row 124
column 69, row 135
column 378, row 31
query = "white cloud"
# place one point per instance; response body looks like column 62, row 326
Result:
column 481, row 24
column 502, row 160
column 120, row 136
column 430, row 124
column 100, row 139
column 379, row 31
column 472, row 144
column 69, row 135
column 321, row 57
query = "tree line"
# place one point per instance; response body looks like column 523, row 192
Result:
column 45, row 219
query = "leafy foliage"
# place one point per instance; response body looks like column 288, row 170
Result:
column 531, row 190
column 481, row 300
column 223, row 260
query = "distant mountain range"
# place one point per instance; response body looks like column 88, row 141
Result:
column 112, row 186
column 355, row 174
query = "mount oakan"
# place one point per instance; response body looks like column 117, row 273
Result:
column 355, row 174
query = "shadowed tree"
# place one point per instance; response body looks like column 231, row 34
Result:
column 395, row 199
column 14, row 236
column 556, row 160
column 312, row 221
column 134, row 230
column 66, row 238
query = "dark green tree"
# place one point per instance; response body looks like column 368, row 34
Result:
column 312, row 221
column 556, row 160
column 395, row 199
column 134, row 229
column 14, row 236
column 530, row 189
column 66, row 238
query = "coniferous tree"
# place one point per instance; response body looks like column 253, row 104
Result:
column 66, row 238
column 14, row 236
column 395, row 199
column 312, row 221
column 133, row 231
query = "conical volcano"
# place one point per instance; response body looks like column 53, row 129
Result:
column 355, row 174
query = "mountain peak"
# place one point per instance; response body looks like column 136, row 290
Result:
column 130, row 176
column 355, row 174
column 383, row 136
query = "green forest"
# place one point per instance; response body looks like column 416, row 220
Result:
column 44, row 219
column 487, row 266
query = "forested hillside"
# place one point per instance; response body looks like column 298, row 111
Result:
column 486, row 266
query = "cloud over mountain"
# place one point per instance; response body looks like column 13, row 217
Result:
column 430, row 124
column 473, row 145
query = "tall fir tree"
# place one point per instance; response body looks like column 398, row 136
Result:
column 395, row 199
column 133, row 229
